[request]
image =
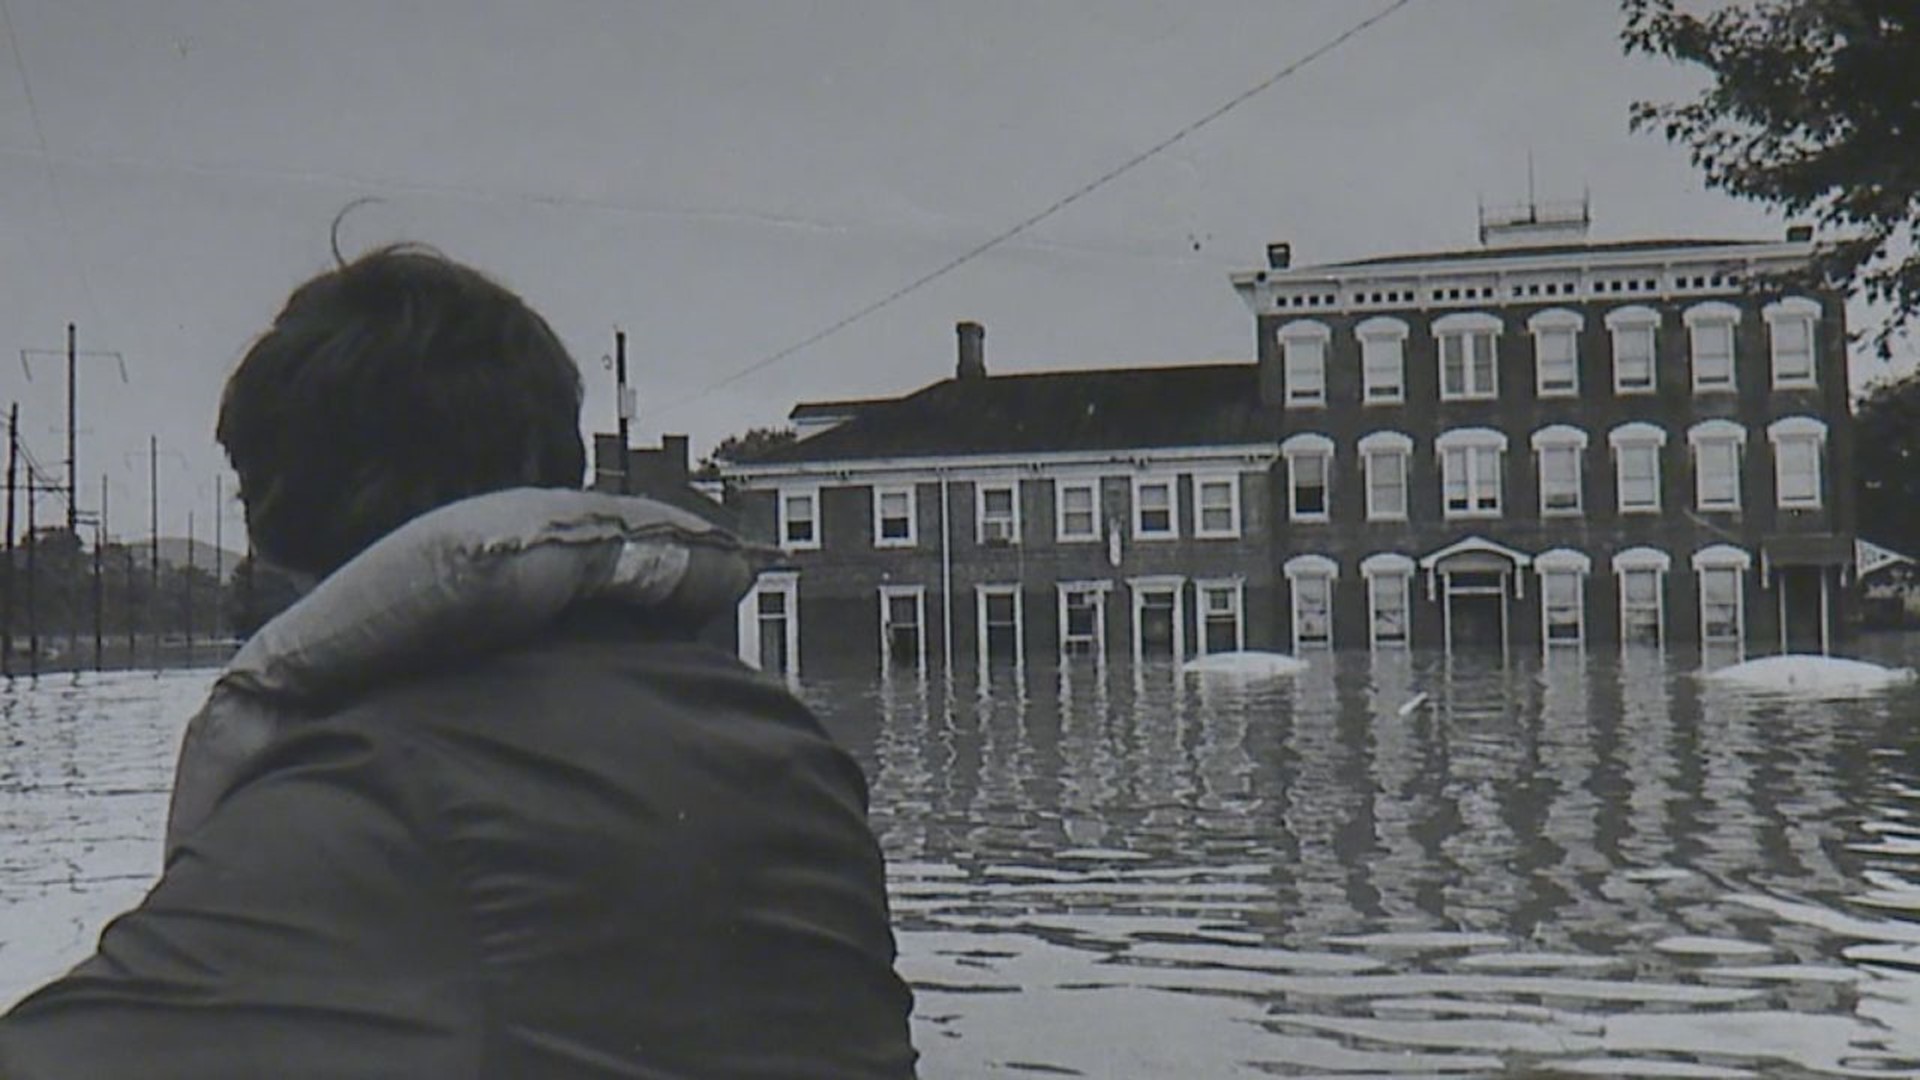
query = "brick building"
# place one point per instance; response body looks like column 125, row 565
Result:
column 989, row 520
column 1546, row 441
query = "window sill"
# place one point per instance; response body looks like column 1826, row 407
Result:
column 1385, row 519
column 1796, row 384
column 1232, row 534
column 1472, row 515
column 1642, row 511
column 895, row 544
column 1549, row 394
column 1308, row 519
column 1077, row 538
column 1150, row 537
column 1495, row 396
column 1634, row 391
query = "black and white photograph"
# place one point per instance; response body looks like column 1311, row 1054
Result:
column 846, row 540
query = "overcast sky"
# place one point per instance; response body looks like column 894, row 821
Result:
column 724, row 179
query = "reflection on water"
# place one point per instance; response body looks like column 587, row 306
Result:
column 1400, row 866
column 1391, row 866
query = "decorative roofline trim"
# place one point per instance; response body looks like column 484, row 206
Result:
column 1233, row 456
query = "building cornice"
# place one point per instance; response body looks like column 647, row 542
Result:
column 1240, row 457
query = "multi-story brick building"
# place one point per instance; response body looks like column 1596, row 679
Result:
column 1558, row 443
column 988, row 520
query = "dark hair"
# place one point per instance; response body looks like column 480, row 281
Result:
column 393, row 384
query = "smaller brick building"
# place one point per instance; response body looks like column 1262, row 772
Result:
column 987, row 521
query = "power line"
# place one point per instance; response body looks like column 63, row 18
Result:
column 46, row 158
column 1056, row 207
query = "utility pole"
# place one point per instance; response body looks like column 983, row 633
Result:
column 99, row 585
column 219, row 560
column 624, row 403
column 189, row 588
column 153, row 540
column 33, row 612
column 13, row 480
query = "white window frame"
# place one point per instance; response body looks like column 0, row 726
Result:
column 1713, row 315
column 1099, row 590
column 1304, row 344
column 980, row 521
column 1473, row 443
column 888, row 594
column 784, row 520
column 1799, row 432
column 1642, row 560
column 1637, row 436
column 1160, row 584
column 880, row 492
column 1558, row 563
column 1298, row 447
column 1061, row 533
column 1383, row 346
column 1316, row 568
column 981, row 593
column 1627, row 321
column 1711, row 436
column 1172, row 531
column 786, row 583
column 1379, row 445
column 1380, row 567
column 1793, row 310
column 1723, row 559
column 1548, row 325
column 1233, row 587
column 1201, row 481
column 1559, row 438
column 1467, row 327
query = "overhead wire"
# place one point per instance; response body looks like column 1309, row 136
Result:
column 1029, row 222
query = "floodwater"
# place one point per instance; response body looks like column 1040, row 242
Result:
column 1595, row 867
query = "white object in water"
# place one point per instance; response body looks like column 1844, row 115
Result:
column 1253, row 665
column 1413, row 703
column 1819, row 676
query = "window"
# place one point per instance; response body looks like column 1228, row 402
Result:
column 1382, row 360
column 1636, row 464
column 800, row 519
column 1640, row 573
column 1721, row 569
column 999, row 514
column 1633, row 329
column 1221, row 625
column 1389, row 599
column 1153, row 516
column 1083, row 619
column 1218, row 499
column 769, row 624
column 1468, row 366
column 1797, row 444
column 1385, row 456
column 903, row 619
column 1556, row 352
column 1077, row 509
column 1642, row 601
column 1303, row 347
column 1470, row 471
column 1716, row 463
column 1309, row 468
column 1710, row 331
column 893, row 524
column 1000, row 626
column 1790, row 324
column 1159, row 630
column 1560, row 451
column 1310, row 580
column 1563, row 607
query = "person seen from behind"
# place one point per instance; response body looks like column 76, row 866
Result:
column 480, row 805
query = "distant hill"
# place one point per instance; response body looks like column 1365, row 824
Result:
column 173, row 552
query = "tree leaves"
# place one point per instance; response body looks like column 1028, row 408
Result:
column 1814, row 108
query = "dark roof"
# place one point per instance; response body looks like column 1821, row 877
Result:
column 832, row 408
column 1103, row 409
column 1485, row 254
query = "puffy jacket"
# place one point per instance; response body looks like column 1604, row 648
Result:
column 599, row 850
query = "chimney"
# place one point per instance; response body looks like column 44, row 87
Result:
column 1799, row 234
column 973, row 351
column 674, row 457
column 1279, row 256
